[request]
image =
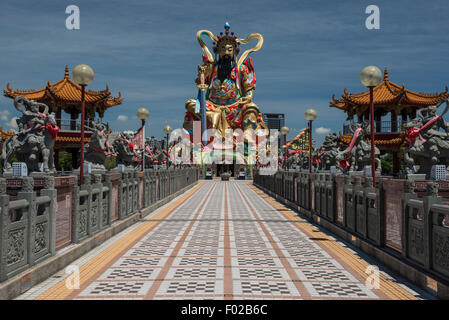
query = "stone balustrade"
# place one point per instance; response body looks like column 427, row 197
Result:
column 27, row 227
column 396, row 214
column 40, row 215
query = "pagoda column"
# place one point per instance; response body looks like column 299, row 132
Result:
column 56, row 159
column 58, row 117
column 74, row 152
column 404, row 116
column 396, row 163
column 73, row 118
column 378, row 118
column 394, row 121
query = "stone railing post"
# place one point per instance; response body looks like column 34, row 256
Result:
column 50, row 191
column 27, row 193
column 359, row 206
column 154, row 187
column 317, row 192
column 429, row 199
column 323, row 194
column 122, row 197
column 409, row 193
column 145, row 189
column 312, row 180
column 106, row 220
column 75, row 212
column 129, row 194
column 330, row 196
column 348, row 219
column 87, row 186
column 136, row 191
column 4, row 217
column 307, row 194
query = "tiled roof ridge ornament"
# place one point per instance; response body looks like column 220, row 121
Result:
column 66, row 72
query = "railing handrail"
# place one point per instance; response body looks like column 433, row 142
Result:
column 43, row 199
column 385, row 126
column 415, row 203
column 66, row 124
column 18, row 204
column 439, row 208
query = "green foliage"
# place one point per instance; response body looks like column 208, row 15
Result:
column 387, row 164
column 65, row 160
column 110, row 163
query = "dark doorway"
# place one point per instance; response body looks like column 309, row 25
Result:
column 222, row 168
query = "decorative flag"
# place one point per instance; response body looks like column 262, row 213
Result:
column 137, row 140
column 300, row 142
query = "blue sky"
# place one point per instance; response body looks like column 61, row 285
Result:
column 148, row 51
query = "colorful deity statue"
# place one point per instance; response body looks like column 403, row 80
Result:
column 230, row 82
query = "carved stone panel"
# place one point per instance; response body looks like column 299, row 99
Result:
column 361, row 216
column 114, row 195
column 82, row 226
column 440, row 250
column 141, row 193
column 393, row 190
column 64, row 217
column 15, row 248
column 349, row 210
column 416, row 240
column 339, row 196
column 94, row 212
column 104, row 209
column 40, row 238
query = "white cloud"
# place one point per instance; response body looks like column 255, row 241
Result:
column 122, row 117
column 12, row 123
column 4, row 115
column 322, row 130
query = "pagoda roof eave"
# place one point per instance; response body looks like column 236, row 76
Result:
column 66, row 91
column 387, row 93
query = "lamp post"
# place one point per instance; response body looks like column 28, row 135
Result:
column 167, row 130
column 310, row 115
column 143, row 114
column 284, row 131
column 370, row 77
column 83, row 75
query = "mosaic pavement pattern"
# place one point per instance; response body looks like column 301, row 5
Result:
column 224, row 240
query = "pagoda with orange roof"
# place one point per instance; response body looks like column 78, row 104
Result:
column 389, row 98
column 65, row 95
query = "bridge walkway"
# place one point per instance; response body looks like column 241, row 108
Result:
column 224, row 240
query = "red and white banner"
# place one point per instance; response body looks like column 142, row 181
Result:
column 137, row 140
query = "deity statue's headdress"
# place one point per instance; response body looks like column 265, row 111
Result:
column 230, row 38
column 226, row 39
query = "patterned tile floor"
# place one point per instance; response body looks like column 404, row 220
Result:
column 224, row 240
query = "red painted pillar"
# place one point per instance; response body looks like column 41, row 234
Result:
column 373, row 162
column 310, row 146
column 166, row 149
column 83, row 87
